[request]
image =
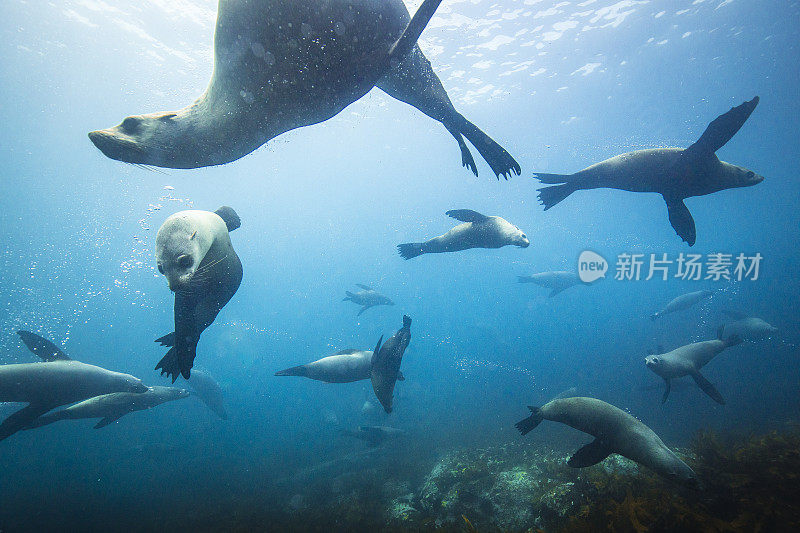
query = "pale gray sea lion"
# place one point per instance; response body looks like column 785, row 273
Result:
column 687, row 361
column 194, row 252
column 684, row 301
column 674, row 173
column 344, row 366
column 208, row 390
column 111, row 407
column 374, row 435
column 45, row 386
column 615, row 431
column 366, row 298
column 556, row 281
column 748, row 328
column 385, row 370
column 283, row 65
column 477, row 231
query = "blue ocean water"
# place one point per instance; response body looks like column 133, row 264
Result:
column 560, row 85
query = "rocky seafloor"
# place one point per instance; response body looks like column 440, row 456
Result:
column 752, row 483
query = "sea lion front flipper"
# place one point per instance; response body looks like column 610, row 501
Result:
column 108, row 420
column 555, row 291
column 411, row 34
column 707, row 387
column 681, row 220
column 46, row 350
column 229, row 216
column 590, row 454
column 21, row 419
column 466, row 215
column 360, row 285
column 720, row 131
column 363, row 309
column 667, row 388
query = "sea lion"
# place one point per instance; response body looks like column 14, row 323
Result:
column 385, row 370
column 344, row 366
column 282, row 65
column 748, row 328
column 684, row 301
column 674, row 173
column 208, row 390
column 477, row 231
column 688, row 360
column 374, row 435
column 55, row 382
column 556, row 281
column 366, row 297
column 112, row 407
column 194, row 252
column 615, row 431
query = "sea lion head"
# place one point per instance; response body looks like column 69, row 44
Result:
column 734, row 177
column 130, row 383
column 514, row 235
column 680, row 473
column 181, row 245
column 654, row 362
column 158, row 139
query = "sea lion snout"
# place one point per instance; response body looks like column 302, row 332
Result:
column 115, row 146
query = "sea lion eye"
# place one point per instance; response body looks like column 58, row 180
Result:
column 185, row 261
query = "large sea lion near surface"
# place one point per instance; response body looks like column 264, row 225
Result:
column 477, row 231
column 674, row 173
column 556, row 281
column 688, row 360
column 194, row 252
column 367, row 297
column 344, row 366
column 55, row 382
column 385, row 370
column 111, row 407
column 684, row 301
column 615, row 431
column 281, row 65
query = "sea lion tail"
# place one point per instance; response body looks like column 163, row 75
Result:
column 526, row 425
column 294, row 371
column 550, row 196
column 229, row 216
column 411, row 34
column 173, row 365
column 500, row 161
column 410, row 249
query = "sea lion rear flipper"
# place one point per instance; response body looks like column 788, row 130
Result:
column 229, row 216
column 410, row 249
column 550, row 196
column 527, row 424
column 590, row 454
column 707, row 387
column 46, row 350
column 466, row 215
column 167, row 340
column 294, row 371
column 411, row 34
column 21, row 419
column 681, row 220
column 667, row 388
column 108, row 420
column 719, row 131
